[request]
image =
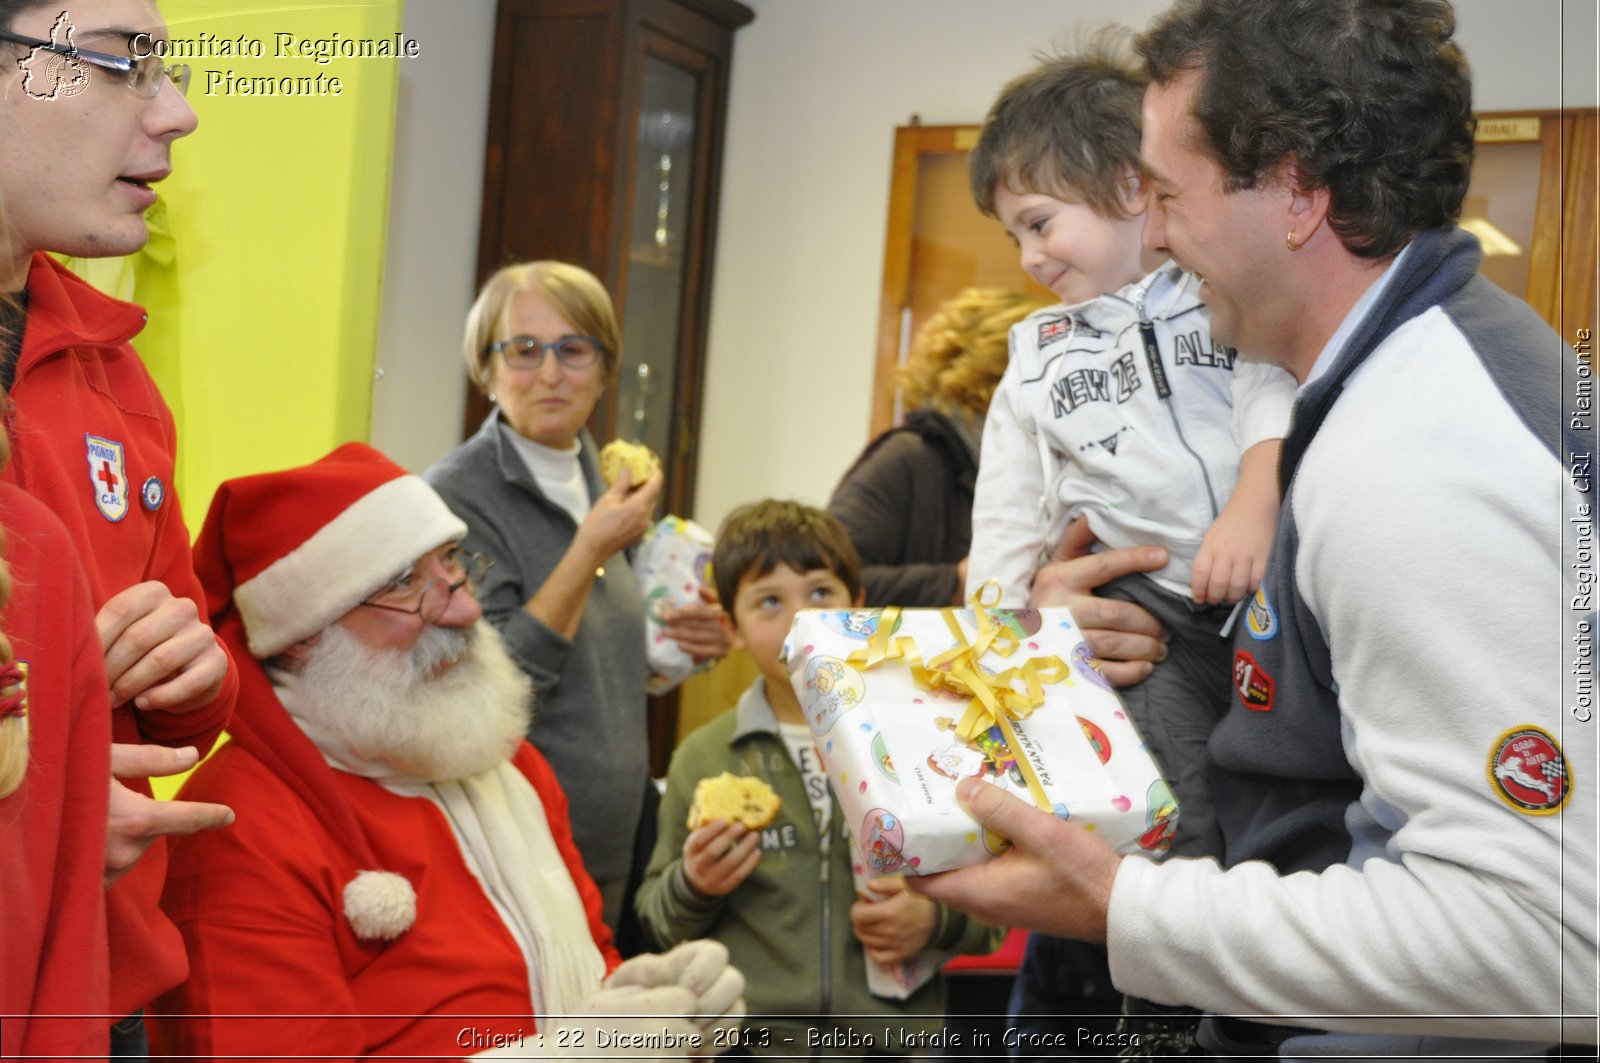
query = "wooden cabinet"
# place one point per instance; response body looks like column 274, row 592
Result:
column 604, row 149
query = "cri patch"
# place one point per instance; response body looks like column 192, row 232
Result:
column 1529, row 772
column 1254, row 685
column 1260, row 619
column 108, row 476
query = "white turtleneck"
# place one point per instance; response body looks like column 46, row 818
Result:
column 557, row 472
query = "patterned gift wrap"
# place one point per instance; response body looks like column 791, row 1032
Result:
column 672, row 563
column 905, row 703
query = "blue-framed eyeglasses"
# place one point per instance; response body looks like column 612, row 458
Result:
column 525, row 352
column 428, row 599
column 143, row 76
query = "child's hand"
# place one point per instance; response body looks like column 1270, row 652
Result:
column 1232, row 557
column 719, row 856
column 895, row 928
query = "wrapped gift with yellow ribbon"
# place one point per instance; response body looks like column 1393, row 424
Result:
column 905, row 703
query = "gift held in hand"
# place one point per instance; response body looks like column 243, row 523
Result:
column 905, row 703
column 672, row 563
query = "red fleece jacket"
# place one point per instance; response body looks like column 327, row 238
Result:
column 92, row 439
column 52, row 828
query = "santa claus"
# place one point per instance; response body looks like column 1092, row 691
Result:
column 401, row 878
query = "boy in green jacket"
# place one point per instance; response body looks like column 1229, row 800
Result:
column 782, row 898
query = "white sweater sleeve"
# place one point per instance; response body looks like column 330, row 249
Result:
column 1008, row 520
column 1429, row 523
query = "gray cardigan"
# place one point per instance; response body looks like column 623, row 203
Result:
column 589, row 716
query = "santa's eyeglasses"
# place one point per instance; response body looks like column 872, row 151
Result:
column 429, row 597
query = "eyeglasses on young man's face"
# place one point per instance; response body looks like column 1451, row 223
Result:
column 525, row 352
column 429, row 597
column 143, row 76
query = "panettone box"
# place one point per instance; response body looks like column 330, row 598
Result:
column 905, row 703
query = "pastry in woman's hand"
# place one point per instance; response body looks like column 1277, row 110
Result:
column 638, row 459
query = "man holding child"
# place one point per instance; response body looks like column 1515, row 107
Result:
column 1392, row 884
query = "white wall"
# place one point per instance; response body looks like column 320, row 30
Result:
column 432, row 257
column 818, row 87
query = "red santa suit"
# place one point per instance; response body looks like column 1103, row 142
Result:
column 275, row 966
column 92, row 439
column 337, row 917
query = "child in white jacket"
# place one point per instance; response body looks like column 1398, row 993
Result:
column 1118, row 406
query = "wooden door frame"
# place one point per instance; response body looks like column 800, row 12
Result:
column 1562, row 258
column 911, row 142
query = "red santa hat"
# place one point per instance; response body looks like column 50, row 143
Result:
column 281, row 556
column 306, row 545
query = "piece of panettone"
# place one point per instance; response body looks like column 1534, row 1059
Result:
column 638, row 459
column 735, row 798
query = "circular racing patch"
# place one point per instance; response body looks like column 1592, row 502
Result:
column 1529, row 772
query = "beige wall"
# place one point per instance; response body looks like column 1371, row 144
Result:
column 432, row 255
column 818, row 87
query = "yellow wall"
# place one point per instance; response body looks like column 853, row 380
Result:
column 264, row 324
column 265, row 339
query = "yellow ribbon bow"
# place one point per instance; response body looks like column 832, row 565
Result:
column 995, row 701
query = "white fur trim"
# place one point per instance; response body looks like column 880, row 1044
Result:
column 381, row 905
column 347, row 559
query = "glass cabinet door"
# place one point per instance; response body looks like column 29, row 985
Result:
column 664, row 179
column 603, row 149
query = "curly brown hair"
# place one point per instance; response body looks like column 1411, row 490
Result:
column 1370, row 99
column 960, row 353
column 1068, row 128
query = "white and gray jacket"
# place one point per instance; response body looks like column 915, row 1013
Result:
column 1406, row 792
column 1086, row 421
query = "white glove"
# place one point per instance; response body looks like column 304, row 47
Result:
column 650, row 1007
column 701, row 967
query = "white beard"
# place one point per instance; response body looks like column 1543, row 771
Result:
column 388, row 708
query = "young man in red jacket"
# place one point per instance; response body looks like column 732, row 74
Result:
column 88, row 130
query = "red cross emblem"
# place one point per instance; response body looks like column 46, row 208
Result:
column 108, row 477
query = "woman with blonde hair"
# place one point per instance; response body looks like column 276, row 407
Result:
column 907, row 500
column 542, row 341
column 55, row 757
